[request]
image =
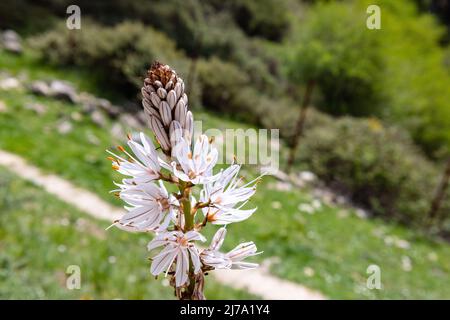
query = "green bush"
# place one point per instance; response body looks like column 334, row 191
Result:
column 377, row 167
column 264, row 18
column 228, row 89
column 122, row 53
column 416, row 80
column 26, row 17
column 398, row 73
column 333, row 47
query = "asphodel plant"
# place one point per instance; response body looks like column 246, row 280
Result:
column 176, row 218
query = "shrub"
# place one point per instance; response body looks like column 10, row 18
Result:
column 226, row 88
column 264, row 18
column 220, row 83
column 122, row 53
column 377, row 167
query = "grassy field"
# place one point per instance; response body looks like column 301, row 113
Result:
column 41, row 236
column 328, row 249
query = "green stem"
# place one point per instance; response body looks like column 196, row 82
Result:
column 185, row 190
column 186, row 202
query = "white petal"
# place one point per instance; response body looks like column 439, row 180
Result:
column 163, row 260
column 195, row 259
column 181, row 273
column 218, row 239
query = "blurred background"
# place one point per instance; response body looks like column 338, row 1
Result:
column 364, row 117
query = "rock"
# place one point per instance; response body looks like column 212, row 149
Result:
column 305, row 207
column 98, row 118
column 361, row 213
column 406, row 263
column 117, row 131
column 402, row 244
column 280, row 186
column 309, row 272
column 40, row 109
column 9, row 83
column 114, row 111
column 88, row 108
column 63, row 90
column 108, row 107
column 307, row 176
column 129, row 121
column 65, row 127
column 316, row 204
column 3, row 107
column 92, row 138
column 11, row 41
column 142, row 117
column 276, row 205
column 280, row 175
column 91, row 103
column 40, row 88
column 76, row 116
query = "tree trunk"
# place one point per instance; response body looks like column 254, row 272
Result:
column 300, row 123
column 440, row 194
column 191, row 77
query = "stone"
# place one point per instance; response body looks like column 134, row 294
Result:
column 98, row 118
column 88, row 108
column 129, row 121
column 63, row 90
column 361, row 213
column 12, row 42
column 92, row 138
column 112, row 110
column 40, row 88
column 40, row 109
column 142, row 117
column 65, row 127
column 307, row 176
column 117, row 131
column 3, row 107
column 280, row 175
column 10, row 83
column 76, row 116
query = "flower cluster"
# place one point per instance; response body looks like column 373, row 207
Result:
column 176, row 217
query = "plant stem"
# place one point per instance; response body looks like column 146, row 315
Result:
column 186, row 203
column 185, row 190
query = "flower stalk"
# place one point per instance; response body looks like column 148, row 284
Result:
column 185, row 164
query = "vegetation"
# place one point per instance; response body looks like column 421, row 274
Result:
column 377, row 129
column 378, row 167
column 37, row 249
column 306, row 246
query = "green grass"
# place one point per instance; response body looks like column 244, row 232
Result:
column 329, row 250
column 40, row 236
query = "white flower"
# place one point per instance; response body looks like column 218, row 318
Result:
column 233, row 259
column 148, row 206
column 196, row 167
column 146, row 167
column 177, row 248
column 226, row 198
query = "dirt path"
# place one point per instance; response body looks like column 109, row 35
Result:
column 259, row 282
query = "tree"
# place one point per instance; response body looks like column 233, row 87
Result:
column 336, row 54
column 440, row 194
